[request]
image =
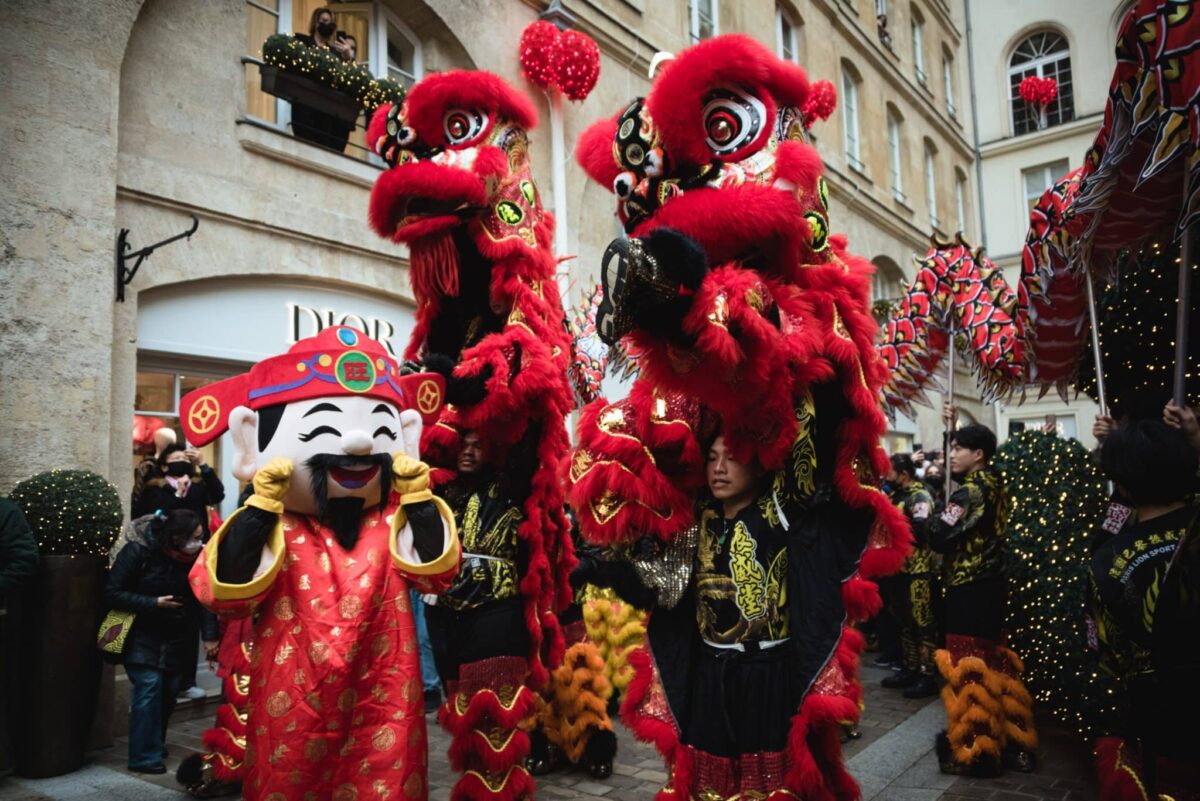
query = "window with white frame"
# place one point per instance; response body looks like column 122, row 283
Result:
column 850, row 117
column 880, row 8
column 948, row 83
column 1045, row 55
column 960, row 200
column 918, row 35
column 785, row 36
column 1036, row 180
column 931, row 184
column 702, row 19
column 895, row 159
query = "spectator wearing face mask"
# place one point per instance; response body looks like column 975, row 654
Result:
column 151, row 580
column 310, row 124
column 186, row 482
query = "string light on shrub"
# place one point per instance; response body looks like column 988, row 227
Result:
column 1137, row 332
column 327, row 68
column 1054, row 500
column 71, row 512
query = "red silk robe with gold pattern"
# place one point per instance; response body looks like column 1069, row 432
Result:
column 336, row 705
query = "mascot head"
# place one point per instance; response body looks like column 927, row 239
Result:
column 335, row 404
column 717, row 152
column 460, row 193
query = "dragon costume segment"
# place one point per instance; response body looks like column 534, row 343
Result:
column 459, row 192
column 751, row 320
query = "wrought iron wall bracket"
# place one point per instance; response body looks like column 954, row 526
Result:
column 122, row 274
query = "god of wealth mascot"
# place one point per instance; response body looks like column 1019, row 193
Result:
column 751, row 324
column 459, row 192
column 340, row 525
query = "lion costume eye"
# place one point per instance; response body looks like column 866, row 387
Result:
column 733, row 119
column 463, row 125
column 623, row 185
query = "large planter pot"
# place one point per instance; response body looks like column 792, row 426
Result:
column 306, row 92
column 61, row 668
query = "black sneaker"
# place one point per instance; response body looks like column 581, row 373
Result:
column 923, row 687
column 433, row 699
column 985, row 767
column 1018, row 759
column 898, row 681
column 153, row 770
column 887, row 664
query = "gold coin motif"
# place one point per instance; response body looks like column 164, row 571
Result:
column 413, row 786
column 315, row 749
column 381, row 645
column 346, row 792
column 285, row 608
column 346, row 700
column 278, row 704
column 318, row 652
column 411, row 690
column 383, row 739
column 350, row 606
column 402, row 603
column 276, row 797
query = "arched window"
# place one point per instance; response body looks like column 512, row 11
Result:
column 887, row 283
column 789, row 35
column 918, row 36
column 702, row 19
column 931, row 183
column 895, row 148
column 1045, row 55
column 960, row 200
column 948, row 81
column 850, row 82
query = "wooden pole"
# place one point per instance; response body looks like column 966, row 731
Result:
column 949, row 398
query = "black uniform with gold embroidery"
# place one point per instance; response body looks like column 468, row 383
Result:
column 762, row 609
column 1126, row 583
column 968, row 530
column 482, row 614
column 913, row 606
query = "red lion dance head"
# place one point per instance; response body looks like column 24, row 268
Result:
column 717, row 152
column 461, row 195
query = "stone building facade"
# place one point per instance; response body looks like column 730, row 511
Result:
column 132, row 114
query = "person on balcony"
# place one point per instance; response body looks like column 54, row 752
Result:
column 310, row 124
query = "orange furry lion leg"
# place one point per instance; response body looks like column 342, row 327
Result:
column 975, row 731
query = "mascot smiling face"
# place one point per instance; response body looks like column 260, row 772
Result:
column 336, row 405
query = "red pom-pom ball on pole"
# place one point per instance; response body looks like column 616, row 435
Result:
column 537, row 53
column 1038, row 91
column 576, row 64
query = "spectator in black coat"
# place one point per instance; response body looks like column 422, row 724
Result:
column 18, row 549
column 152, row 581
column 18, row 563
column 186, row 483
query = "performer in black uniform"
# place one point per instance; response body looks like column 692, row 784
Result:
column 989, row 714
column 911, row 598
column 1146, row 616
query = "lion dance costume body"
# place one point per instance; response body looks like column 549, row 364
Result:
column 748, row 317
column 460, row 193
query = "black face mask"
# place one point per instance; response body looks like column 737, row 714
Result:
column 326, row 29
column 178, row 469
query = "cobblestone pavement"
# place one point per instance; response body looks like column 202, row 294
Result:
column 893, row 761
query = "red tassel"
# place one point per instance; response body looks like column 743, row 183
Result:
column 434, row 262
